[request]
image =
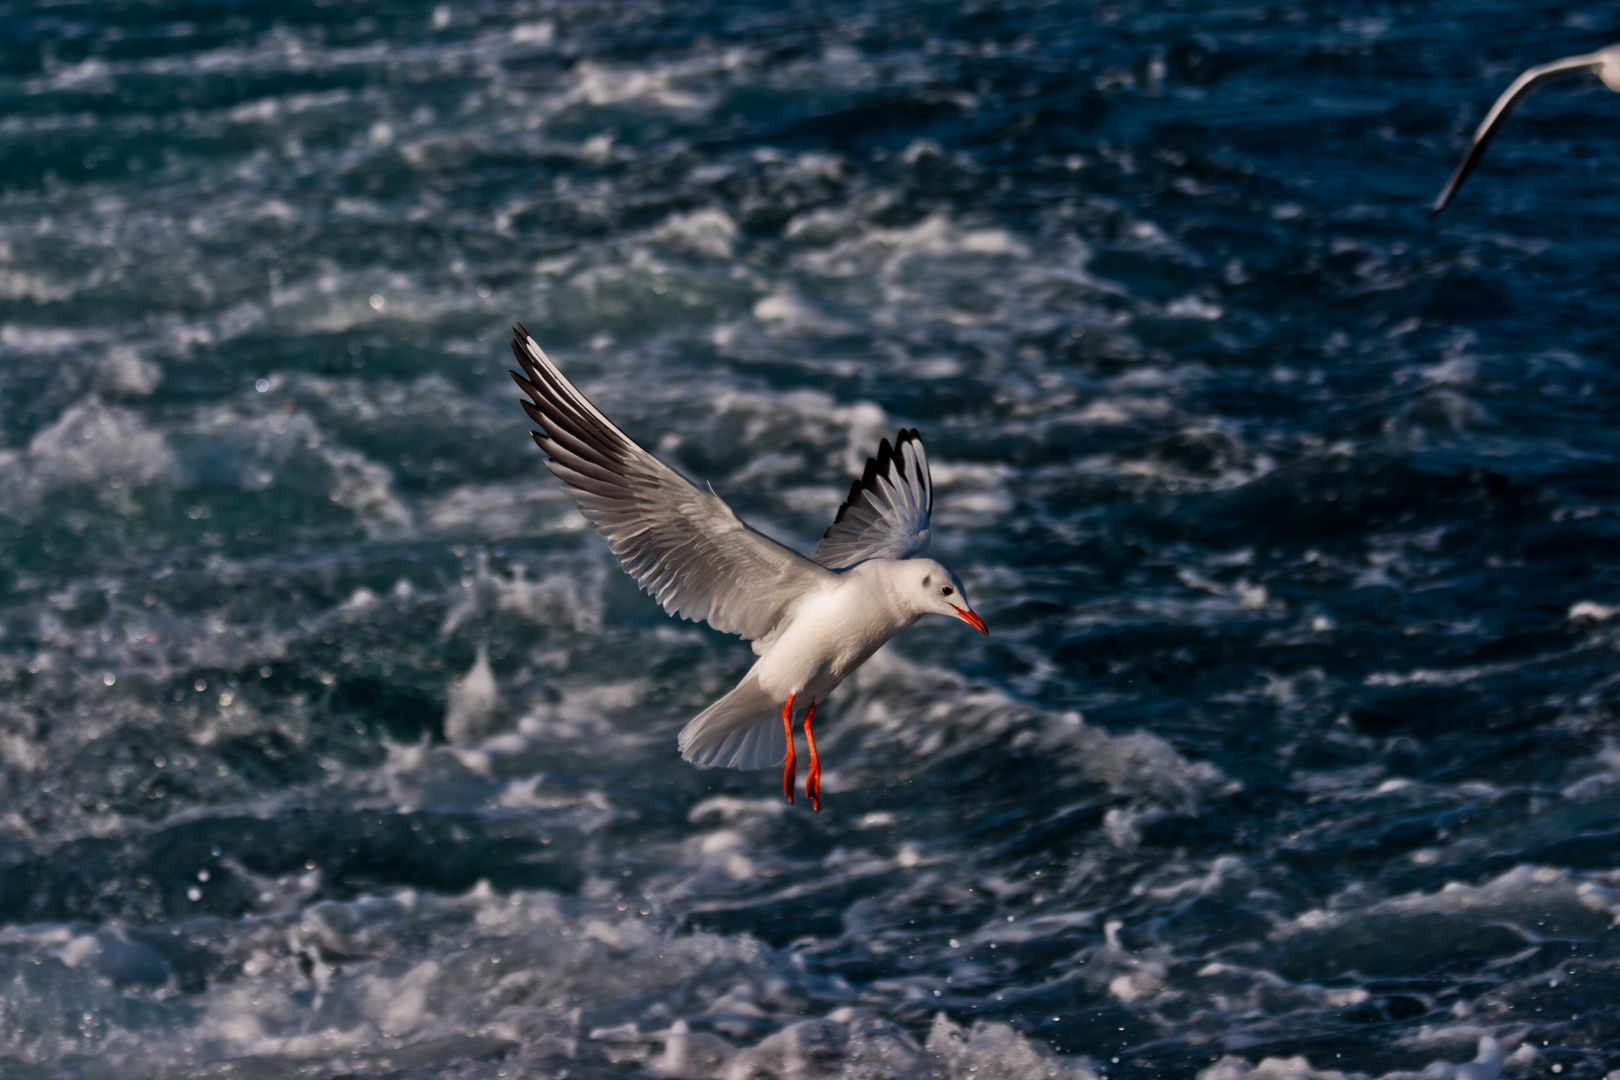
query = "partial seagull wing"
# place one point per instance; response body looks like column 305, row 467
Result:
column 1503, row 108
column 886, row 514
column 682, row 544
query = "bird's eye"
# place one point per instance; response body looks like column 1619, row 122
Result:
column 946, row 591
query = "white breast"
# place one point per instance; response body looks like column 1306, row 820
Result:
column 828, row 636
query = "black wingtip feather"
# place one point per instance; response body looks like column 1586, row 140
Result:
column 523, row 383
column 854, row 493
column 582, row 448
column 888, row 455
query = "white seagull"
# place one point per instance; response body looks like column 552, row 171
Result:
column 1604, row 63
column 812, row 623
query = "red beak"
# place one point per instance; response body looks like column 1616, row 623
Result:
column 972, row 620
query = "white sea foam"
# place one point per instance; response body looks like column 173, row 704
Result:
column 1486, row 1065
column 539, row 980
column 91, row 443
column 710, row 232
column 473, row 699
column 1527, row 899
column 910, row 711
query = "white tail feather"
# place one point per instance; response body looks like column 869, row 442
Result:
column 743, row 730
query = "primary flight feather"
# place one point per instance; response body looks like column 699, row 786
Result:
column 812, row 622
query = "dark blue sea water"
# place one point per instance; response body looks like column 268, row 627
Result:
column 333, row 743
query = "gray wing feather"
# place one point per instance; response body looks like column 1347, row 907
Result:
column 886, row 514
column 1515, row 93
column 682, row 544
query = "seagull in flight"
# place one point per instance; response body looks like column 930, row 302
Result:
column 1604, row 63
column 812, row 621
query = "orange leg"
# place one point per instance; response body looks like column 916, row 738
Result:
column 812, row 782
column 790, row 768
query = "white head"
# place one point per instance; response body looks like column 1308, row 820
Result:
column 933, row 589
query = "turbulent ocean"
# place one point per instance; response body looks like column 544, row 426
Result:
column 334, row 743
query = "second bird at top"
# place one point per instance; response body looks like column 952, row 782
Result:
column 1605, row 64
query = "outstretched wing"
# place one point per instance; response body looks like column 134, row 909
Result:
column 1503, row 108
column 682, row 544
column 886, row 514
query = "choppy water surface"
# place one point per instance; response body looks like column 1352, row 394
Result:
column 335, row 744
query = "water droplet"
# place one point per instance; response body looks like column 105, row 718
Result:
column 379, row 302
column 262, row 385
column 109, row 678
column 194, row 894
column 200, row 685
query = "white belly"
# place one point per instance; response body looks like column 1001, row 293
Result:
column 827, row 638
